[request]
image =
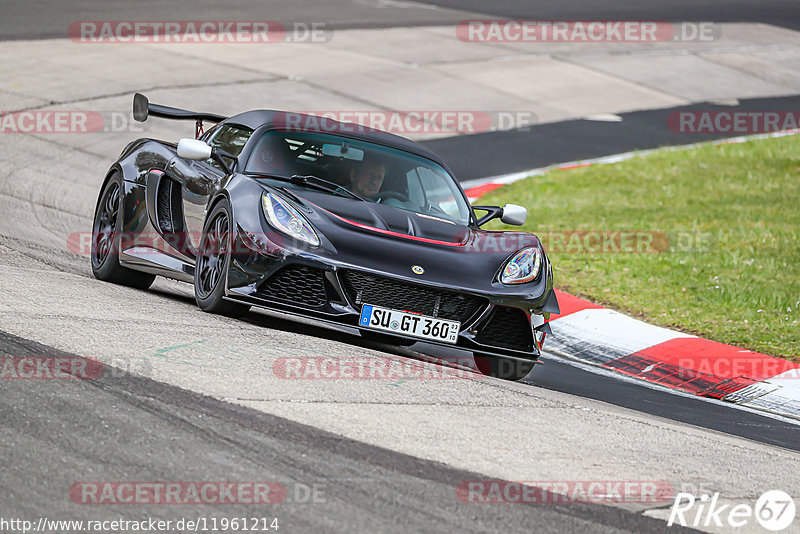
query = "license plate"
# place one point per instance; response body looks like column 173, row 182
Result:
column 409, row 324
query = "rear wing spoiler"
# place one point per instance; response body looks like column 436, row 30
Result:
column 142, row 108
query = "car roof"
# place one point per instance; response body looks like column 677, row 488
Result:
column 273, row 119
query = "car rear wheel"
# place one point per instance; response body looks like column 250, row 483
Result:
column 500, row 367
column 213, row 259
column 105, row 240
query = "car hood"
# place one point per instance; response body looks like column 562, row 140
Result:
column 396, row 224
column 390, row 221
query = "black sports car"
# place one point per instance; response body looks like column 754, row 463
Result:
column 326, row 220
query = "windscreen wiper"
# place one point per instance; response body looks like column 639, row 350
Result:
column 314, row 182
column 324, row 185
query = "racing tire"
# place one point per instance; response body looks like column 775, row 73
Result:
column 213, row 260
column 106, row 239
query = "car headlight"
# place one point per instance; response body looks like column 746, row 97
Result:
column 285, row 218
column 522, row 267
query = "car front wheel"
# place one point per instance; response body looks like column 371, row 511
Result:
column 213, row 259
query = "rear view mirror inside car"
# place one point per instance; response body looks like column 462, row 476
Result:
column 342, row 151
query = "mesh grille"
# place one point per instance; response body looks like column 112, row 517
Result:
column 508, row 328
column 296, row 284
column 388, row 293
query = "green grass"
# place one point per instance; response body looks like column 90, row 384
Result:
column 742, row 201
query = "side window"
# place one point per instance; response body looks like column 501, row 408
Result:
column 230, row 139
column 416, row 192
column 439, row 192
column 211, row 132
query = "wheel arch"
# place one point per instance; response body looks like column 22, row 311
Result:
column 116, row 168
column 215, row 200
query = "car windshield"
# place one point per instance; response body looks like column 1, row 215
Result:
column 373, row 172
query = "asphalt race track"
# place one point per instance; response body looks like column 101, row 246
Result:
column 780, row 12
column 559, row 375
column 541, row 145
column 48, row 18
column 357, row 487
column 188, row 396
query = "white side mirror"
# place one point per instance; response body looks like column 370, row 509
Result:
column 513, row 214
column 193, row 149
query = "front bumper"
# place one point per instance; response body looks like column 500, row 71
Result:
column 330, row 291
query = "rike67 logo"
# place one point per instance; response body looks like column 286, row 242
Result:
column 774, row 510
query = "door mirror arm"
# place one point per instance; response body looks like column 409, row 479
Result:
column 492, row 212
column 509, row 214
column 219, row 156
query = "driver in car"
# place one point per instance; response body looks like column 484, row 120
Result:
column 366, row 179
